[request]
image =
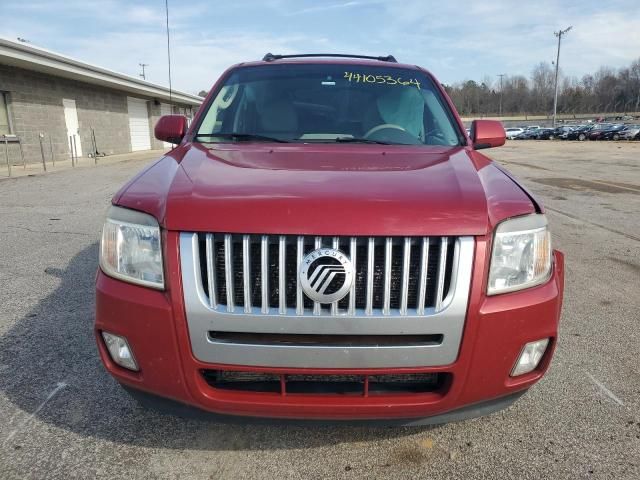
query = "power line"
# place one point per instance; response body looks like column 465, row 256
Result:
column 166, row 8
column 558, row 34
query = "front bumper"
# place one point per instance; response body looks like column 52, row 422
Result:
column 171, row 407
column 495, row 330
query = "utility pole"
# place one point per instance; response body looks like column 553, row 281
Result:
column 501, row 75
column 144, row 77
column 558, row 34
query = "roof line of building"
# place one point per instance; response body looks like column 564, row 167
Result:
column 41, row 60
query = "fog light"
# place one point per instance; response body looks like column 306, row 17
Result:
column 530, row 357
column 120, row 351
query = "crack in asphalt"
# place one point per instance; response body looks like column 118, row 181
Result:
column 47, row 231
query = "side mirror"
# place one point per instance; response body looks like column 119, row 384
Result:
column 487, row 134
column 171, row 128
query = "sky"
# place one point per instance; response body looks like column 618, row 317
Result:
column 456, row 40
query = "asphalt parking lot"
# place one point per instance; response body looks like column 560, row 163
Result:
column 62, row 416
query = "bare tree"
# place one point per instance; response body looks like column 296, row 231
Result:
column 542, row 82
column 605, row 91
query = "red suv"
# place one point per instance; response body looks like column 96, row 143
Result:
column 326, row 242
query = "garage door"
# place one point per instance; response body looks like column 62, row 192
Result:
column 139, row 124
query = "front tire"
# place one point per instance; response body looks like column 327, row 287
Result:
column 582, row 137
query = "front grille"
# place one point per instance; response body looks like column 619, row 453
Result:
column 259, row 273
column 344, row 384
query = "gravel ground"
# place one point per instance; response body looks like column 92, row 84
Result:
column 62, row 416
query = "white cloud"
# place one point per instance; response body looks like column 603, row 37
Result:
column 471, row 39
column 609, row 38
column 324, row 7
column 196, row 62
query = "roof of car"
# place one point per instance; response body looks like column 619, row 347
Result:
column 331, row 61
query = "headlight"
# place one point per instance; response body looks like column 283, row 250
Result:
column 130, row 249
column 521, row 255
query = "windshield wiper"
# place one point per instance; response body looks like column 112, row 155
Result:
column 361, row 140
column 243, row 136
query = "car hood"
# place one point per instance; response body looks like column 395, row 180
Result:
column 325, row 190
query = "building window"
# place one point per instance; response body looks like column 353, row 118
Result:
column 5, row 126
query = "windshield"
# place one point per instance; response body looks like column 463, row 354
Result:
column 329, row 103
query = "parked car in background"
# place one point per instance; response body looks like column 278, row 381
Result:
column 598, row 130
column 527, row 135
column 613, row 133
column 581, row 133
column 545, row 133
column 630, row 132
column 512, row 132
column 567, row 131
column 559, row 131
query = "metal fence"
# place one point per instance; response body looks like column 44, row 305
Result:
column 12, row 140
column 13, row 145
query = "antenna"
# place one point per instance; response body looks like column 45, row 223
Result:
column 166, row 7
column 144, row 77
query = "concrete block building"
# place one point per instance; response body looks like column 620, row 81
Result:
column 63, row 104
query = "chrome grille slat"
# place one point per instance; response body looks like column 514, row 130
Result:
column 370, row 264
column 228, row 270
column 393, row 276
column 264, row 273
column 211, row 283
column 441, row 272
column 388, row 249
column 422, row 282
column 404, row 292
column 246, row 272
column 299, row 297
column 282, row 274
column 335, row 244
column 316, row 305
column 353, row 253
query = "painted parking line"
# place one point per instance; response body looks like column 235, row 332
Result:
column 605, row 390
column 26, row 421
column 631, row 189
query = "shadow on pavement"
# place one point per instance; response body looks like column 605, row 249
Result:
column 54, row 343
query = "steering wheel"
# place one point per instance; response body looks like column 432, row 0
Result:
column 383, row 126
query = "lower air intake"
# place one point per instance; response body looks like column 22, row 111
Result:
column 361, row 385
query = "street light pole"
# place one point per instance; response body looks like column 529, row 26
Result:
column 501, row 75
column 144, row 77
column 558, row 34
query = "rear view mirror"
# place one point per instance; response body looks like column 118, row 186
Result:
column 171, row 128
column 487, row 134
